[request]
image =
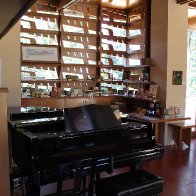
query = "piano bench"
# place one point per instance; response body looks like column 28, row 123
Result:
column 182, row 132
column 137, row 184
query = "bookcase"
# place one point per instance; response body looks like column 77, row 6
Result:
column 99, row 49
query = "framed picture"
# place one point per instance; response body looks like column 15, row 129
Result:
column 153, row 90
column 40, row 53
column 177, row 78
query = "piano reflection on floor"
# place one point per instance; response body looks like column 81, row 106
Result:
column 52, row 145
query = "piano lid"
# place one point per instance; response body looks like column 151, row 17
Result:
column 90, row 117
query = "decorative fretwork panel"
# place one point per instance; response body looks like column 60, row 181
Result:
column 77, row 57
column 79, row 42
column 113, row 15
column 136, row 35
column 40, row 27
column 113, row 37
column 81, row 11
column 83, row 72
column 39, row 23
column 39, row 72
column 79, row 48
column 79, row 26
column 38, row 38
column 90, row 38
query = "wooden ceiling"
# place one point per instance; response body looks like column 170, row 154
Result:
column 192, row 4
column 120, row 4
column 12, row 10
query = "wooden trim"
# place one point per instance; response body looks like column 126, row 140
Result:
column 39, row 81
column 114, row 38
column 77, row 18
column 192, row 21
column 78, row 50
column 79, row 65
column 78, row 34
column 39, row 64
column 41, row 15
column 90, row 4
column 65, row 3
column 136, row 82
column 138, row 66
column 98, row 43
column 63, row 81
column 114, row 53
column 3, row 90
column 148, row 28
column 4, row 149
column 111, row 81
column 113, row 67
column 24, row 30
column 115, row 24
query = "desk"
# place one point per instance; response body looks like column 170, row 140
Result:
column 155, row 120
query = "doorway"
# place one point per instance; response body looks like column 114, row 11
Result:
column 191, row 77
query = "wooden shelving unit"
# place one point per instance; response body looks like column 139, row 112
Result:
column 89, row 39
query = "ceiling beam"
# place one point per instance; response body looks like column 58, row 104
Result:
column 184, row 1
column 17, row 14
column 65, row 3
column 192, row 21
column 192, row 4
column 43, row 7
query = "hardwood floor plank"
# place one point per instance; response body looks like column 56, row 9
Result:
column 178, row 169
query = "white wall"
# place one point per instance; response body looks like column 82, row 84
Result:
column 10, row 60
column 177, row 53
column 168, row 52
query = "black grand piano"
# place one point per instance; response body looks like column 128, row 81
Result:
column 50, row 146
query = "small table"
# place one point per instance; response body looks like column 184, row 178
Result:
column 156, row 120
column 182, row 132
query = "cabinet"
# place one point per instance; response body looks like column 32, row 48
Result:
column 75, row 102
column 107, row 100
column 43, row 102
column 66, row 102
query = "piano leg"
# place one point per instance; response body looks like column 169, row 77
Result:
column 29, row 188
column 34, row 190
column 134, row 167
column 92, row 178
column 33, row 184
column 94, row 173
column 24, row 186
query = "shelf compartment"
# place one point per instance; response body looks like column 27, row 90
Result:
column 136, row 82
column 40, row 81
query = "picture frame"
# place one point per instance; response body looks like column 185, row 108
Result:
column 153, row 90
column 40, row 53
column 177, row 77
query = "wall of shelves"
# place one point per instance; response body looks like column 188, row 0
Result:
column 96, row 47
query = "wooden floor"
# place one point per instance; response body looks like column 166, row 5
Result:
column 178, row 169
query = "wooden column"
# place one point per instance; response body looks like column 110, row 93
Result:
column 4, row 151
